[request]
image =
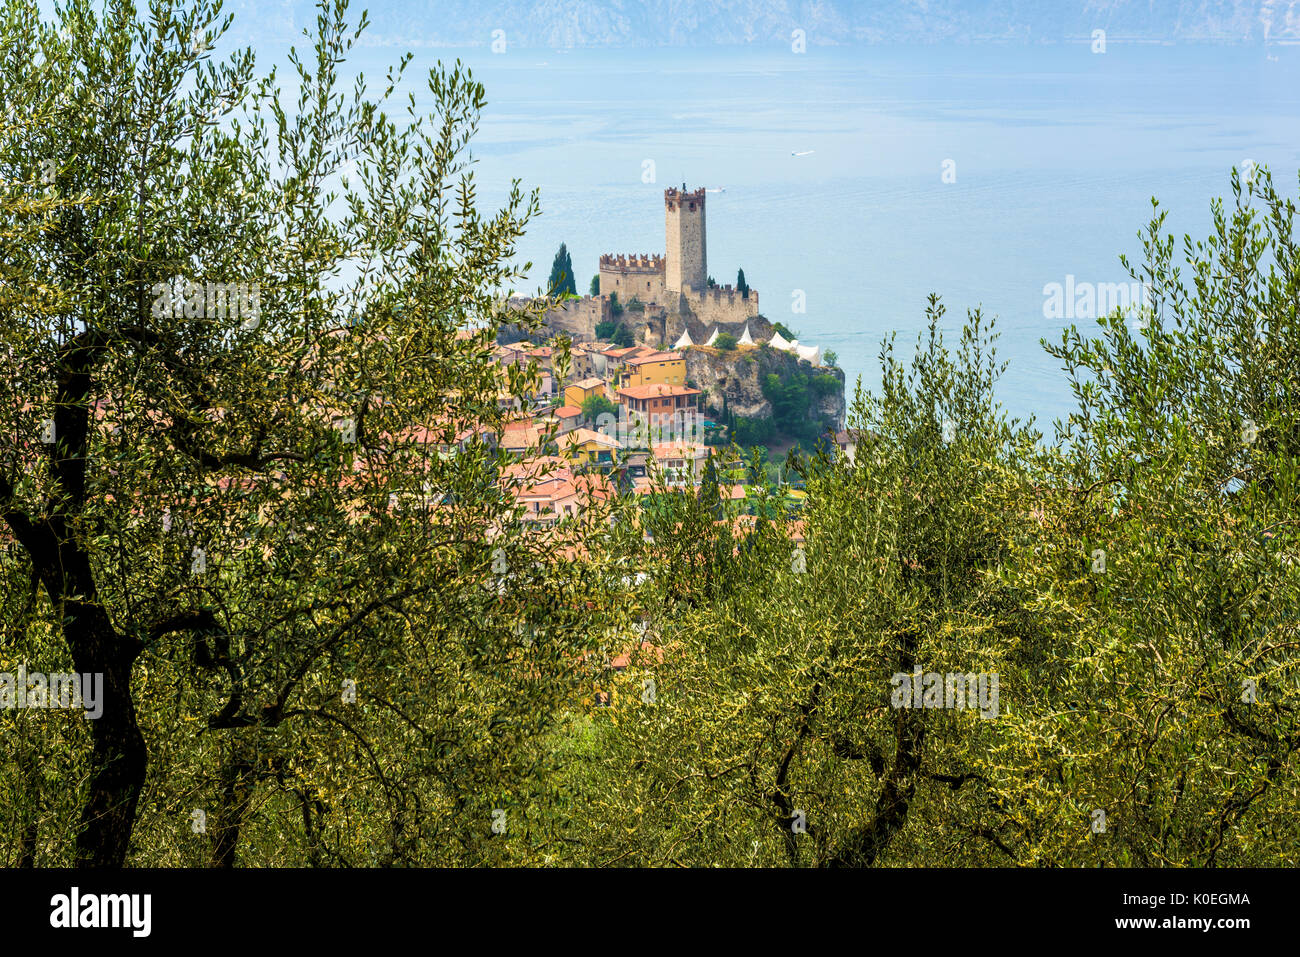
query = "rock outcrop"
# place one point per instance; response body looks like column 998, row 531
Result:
column 732, row 382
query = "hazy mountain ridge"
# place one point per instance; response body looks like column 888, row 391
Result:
column 588, row 23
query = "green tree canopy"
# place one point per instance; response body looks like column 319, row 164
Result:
column 228, row 496
column 561, row 281
column 594, row 406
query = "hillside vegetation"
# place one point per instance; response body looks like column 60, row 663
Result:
column 327, row 638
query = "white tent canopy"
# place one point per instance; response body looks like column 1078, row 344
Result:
column 778, row 341
column 685, row 340
column 713, row 337
column 812, row 353
column 746, row 339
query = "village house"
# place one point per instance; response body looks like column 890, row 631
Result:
column 657, row 405
column 657, row 368
column 616, row 359
column 586, row 447
column 560, row 495
column 847, row 440
column 682, row 462
column 580, row 392
column 568, row 418
column 521, row 437
column 588, row 361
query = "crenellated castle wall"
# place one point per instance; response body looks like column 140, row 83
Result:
column 722, row 305
column 672, row 287
column 641, row 277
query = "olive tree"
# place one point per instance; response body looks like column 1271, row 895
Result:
column 249, row 456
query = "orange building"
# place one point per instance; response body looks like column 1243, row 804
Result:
column 657, row 368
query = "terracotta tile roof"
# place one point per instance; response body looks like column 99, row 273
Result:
column 646, row 654
column 656, row 357
column 520, row 437
column 579, row 436
column 657, row 391
column 535, row 469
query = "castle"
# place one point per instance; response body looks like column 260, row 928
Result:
column 678, row 281
column 664, row 297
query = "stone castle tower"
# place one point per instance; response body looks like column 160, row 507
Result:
column 685, row 262
column 665, row 295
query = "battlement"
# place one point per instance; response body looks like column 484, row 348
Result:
column 718, row 293
column 723, row 306
column 633, row 263
column 673, row 197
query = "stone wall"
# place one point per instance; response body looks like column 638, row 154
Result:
column 685, row 262
column 647, row 325
column 640, row 277
column 576, row 318
column 723, row 305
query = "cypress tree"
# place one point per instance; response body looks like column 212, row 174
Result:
column 561, row 282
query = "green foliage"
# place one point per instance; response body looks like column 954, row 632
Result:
column 595, row 285
column 741, row 285
column 793, row 396
column 725, row 341
column 333, row 634
column 233, row 526
column 1164, row 561
column 594, row 406
column 615, row 330
column 623, row 336
column 748, row 432
column 776, row 698
column 709, row 493
column 831, row 358
column 561, row 283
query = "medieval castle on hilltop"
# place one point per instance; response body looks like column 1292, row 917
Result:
column 679, row 280
column 664, row 297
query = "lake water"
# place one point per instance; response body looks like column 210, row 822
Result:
column 1056, row 151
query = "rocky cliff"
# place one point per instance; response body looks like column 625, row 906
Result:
column 733, row 382
column 804, row 401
